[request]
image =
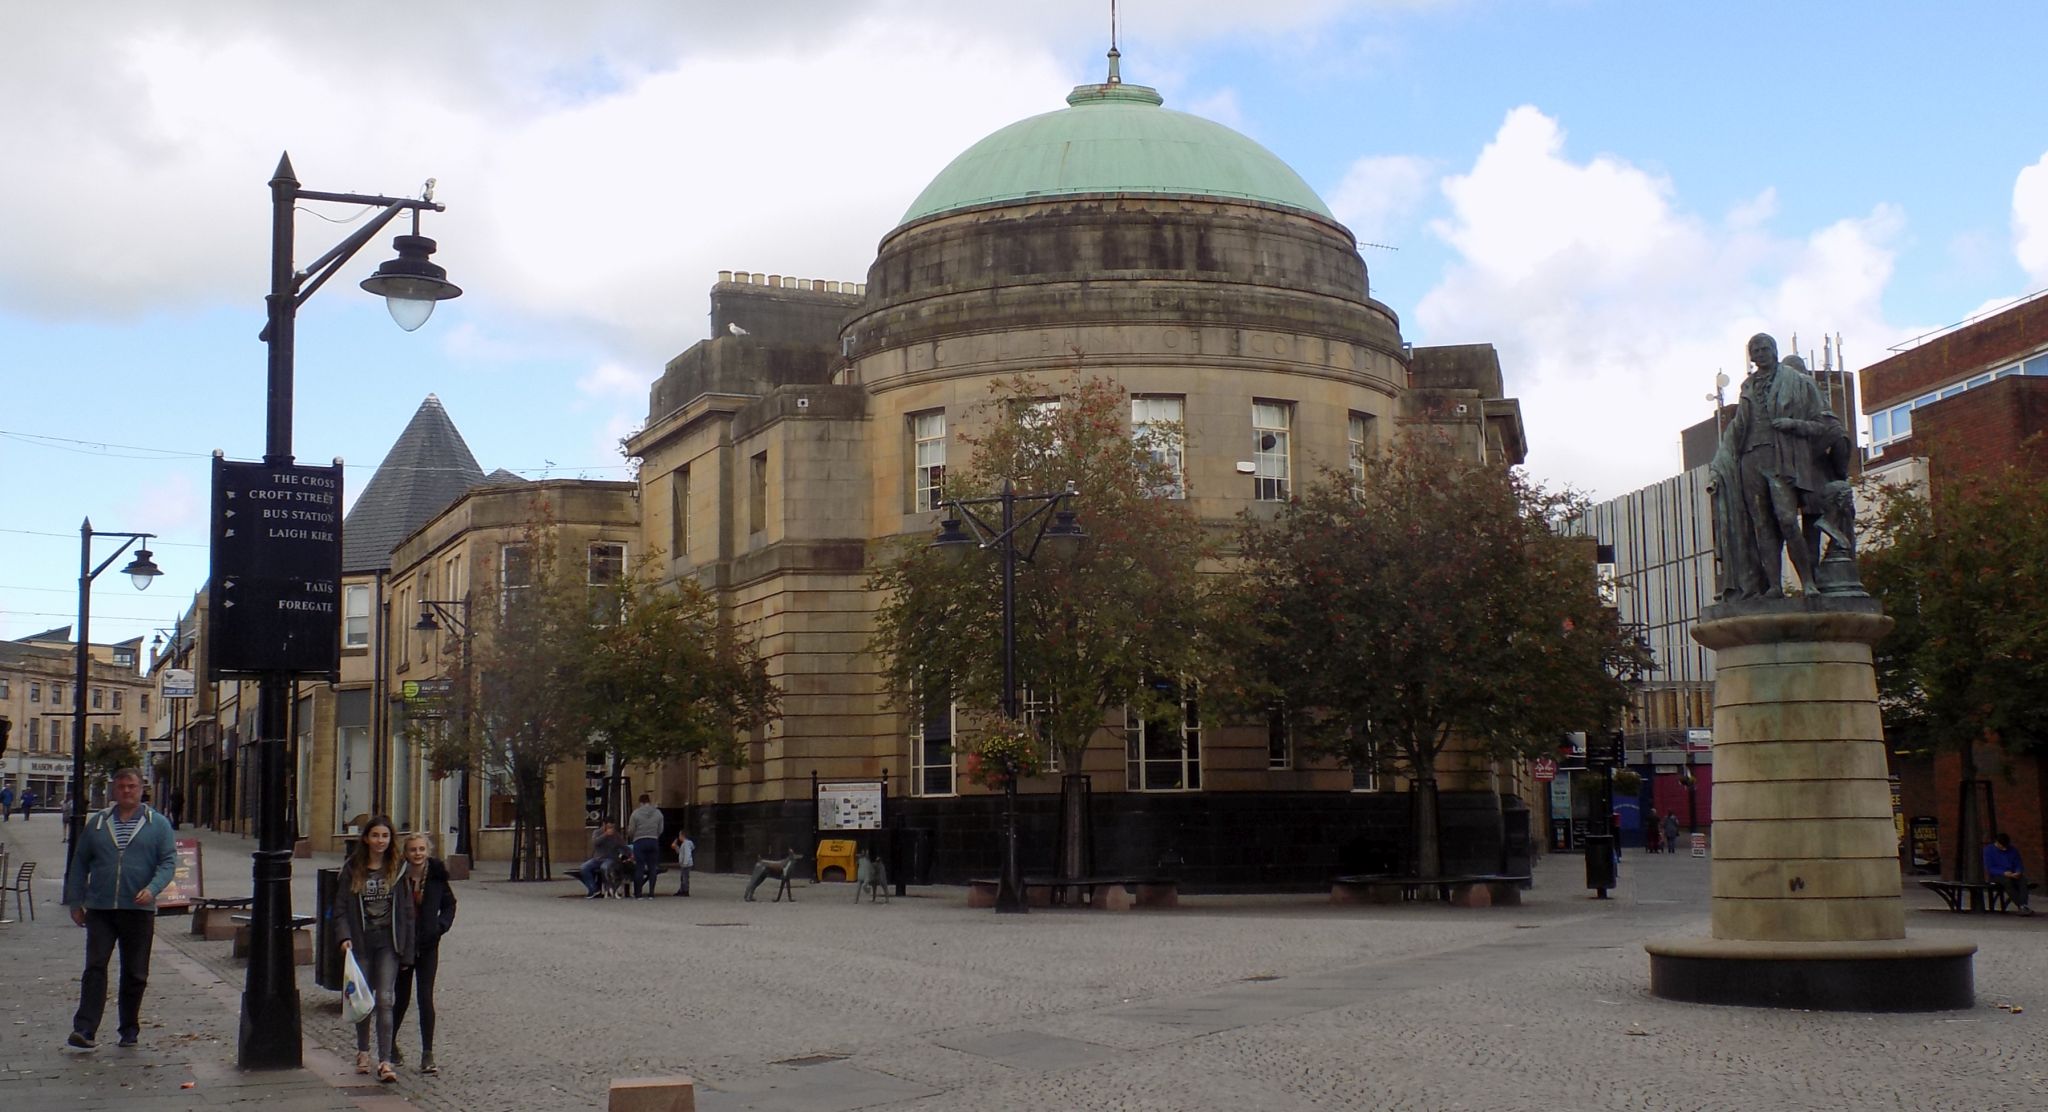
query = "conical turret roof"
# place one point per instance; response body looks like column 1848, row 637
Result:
column 428, row 467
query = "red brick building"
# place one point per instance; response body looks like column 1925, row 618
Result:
column 1971, row 396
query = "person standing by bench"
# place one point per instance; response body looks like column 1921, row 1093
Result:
column 125, row 856
column 643, row 829
column 2003, row 868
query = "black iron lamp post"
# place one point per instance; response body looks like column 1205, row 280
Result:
column 1063, row 537
column 410, row 285
column 140, row 571
column 456, row 613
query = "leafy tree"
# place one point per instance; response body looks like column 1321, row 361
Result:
column 110, row 749
column 672, row 679
column 1434, row 603
column 1964, row 574
column 556, row 665
column 1091, row 632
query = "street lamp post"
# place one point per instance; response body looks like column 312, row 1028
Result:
column 1055, row 527
column 410, row 285
column 456, row 613
column 140, row 571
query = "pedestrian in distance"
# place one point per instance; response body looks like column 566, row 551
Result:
column 1671, row 832
column 177, row 808
column 2003, row 868
column 375, row 924
column 686, row 859
column 433, row 911
column 605, row 845
column 7, row 803
column 28, row 804
column 124, row 857
column 1652, row 831
column 643, row 829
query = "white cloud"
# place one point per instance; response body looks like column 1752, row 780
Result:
column 169, row 505
column 1378, row 194
column 613, row 380
column 1613, row 306
column 2030, row 221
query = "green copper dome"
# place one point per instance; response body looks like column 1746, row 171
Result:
column 1114, row 138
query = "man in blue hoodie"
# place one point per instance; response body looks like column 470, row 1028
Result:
column 124, row 857
column 2002, row 868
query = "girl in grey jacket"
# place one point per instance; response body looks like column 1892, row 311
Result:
column 378, row 927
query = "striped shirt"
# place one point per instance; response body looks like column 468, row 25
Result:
column 124, row 829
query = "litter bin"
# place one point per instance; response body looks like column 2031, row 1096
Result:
column 834, row 859
column 326, row 951
column 1600, row 863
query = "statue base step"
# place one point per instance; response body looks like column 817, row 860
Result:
column 1894, row 975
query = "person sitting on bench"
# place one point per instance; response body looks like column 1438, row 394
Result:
column 604, row 846
column 2002, row 868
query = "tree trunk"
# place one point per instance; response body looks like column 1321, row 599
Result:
column 530, row 829
column 1077, row 827
column 1970, row 819
column 1429, row 855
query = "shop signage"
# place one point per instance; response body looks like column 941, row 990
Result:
column 1544, row 769
column 276, row 569
column 179, row 684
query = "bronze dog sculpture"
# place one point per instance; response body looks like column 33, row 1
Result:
column 782, row 870
column 871, row 877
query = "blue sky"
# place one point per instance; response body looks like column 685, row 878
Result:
column 1615, row 194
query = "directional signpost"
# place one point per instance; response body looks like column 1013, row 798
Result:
column 276, row 571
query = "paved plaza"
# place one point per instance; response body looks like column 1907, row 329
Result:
column 1266, row 1002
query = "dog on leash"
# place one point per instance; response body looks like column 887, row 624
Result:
column 782, row 870
column 871, row 877
column 615, row 877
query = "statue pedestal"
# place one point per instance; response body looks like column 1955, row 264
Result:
column 1806, row 905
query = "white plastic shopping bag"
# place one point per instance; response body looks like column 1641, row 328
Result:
column 356, row 1000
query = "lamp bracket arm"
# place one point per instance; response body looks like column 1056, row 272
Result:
column 125, row 546
column 323, row 268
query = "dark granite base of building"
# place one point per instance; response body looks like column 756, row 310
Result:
column 1905, row 975
column 1216, row 842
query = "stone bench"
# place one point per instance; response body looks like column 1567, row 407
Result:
column 302, row 938
column 1106, row 893
column 1476, row 890
column 210, row 916
column 652, row 1094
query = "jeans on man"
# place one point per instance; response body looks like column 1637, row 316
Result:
column 2015, row 889
column 588, row 874
column 646, row 864
column 132, row 932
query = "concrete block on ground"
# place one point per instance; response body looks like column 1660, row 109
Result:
column 653, row 1094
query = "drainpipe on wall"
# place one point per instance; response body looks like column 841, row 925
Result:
column 380, row 607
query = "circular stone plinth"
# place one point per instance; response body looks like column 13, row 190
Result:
column 1898, row 975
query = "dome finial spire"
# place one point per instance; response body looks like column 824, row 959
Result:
column 1115, row 77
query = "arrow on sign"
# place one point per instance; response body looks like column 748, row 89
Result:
column 227, row 513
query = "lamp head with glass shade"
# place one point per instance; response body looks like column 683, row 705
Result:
column 1064, row 538
column 410, row 284
column 142, row 569
column 953, row 542
column 426, row 624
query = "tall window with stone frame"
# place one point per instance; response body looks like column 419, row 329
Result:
column 1163, row 749
column 1358, row 436
column 35, row 735
column 679, row 514
column 1272, row 443
column 931, row 743
column 927, row 460
column 1036, row 712
column 605, row 564
column 1157, row 428
column 515, row 576
column 355, row 616
column 1365, row 775
column 757, row 493
column 1279, row 738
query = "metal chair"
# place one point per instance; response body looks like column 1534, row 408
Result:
column 22, row 895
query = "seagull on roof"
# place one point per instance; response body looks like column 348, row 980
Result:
column 735, row 329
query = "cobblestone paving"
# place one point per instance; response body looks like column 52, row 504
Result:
column 1229, row 1002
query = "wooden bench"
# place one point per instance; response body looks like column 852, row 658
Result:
column 1107, row 893
column 302, row 938
column 1981, row 896
column 1474, row 890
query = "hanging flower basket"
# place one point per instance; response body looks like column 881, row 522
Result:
column 1002, row 755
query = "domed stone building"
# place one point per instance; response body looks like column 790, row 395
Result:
column 1152, row 247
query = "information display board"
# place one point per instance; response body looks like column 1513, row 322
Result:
column 850, row 806
column 276, row 569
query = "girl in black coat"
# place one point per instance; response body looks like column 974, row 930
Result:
column 433, row 903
